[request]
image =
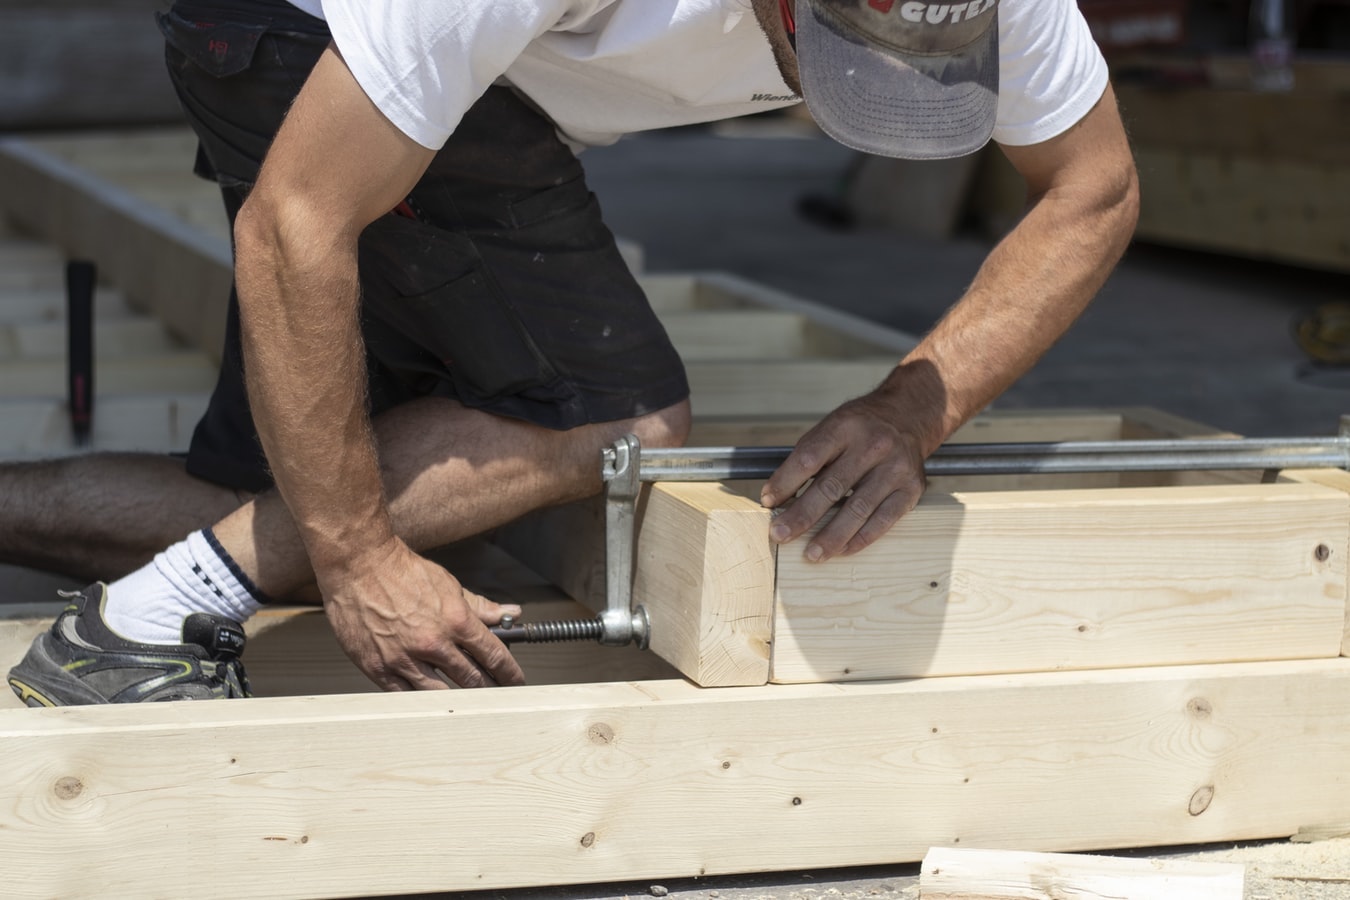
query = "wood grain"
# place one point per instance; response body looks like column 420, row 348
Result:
column 949, row 873
column 376, row 794
column 1019, row 581
column 705, row 575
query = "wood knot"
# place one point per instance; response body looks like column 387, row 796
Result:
column 1201, row 800
column 1322, row 553
column 588, row 839
column 68, row 788
column 1200, row 708
column 796, row 801
column 600, row 733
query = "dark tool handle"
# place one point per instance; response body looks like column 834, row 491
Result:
column 80, row 277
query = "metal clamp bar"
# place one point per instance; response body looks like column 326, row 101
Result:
column 730, row 463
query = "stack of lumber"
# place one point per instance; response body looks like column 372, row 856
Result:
column 1047, row 663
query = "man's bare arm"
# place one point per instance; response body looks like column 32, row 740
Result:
column 1083, row 205
column 337, row 164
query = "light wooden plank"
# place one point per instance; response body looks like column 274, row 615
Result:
column 1002, row 582
column 160, row 423
column 188, row 370
column 49, row 304
column 90, row 218
column 1141, row 423
column 141, row 335
column 705, row 574
column 814, row 386
column 332, row 796
column 1336, row 479
column 736, row 334
column 835, row 333
column 949, row 873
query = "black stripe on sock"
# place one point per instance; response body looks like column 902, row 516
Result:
column 206, row 580
column 244, row 580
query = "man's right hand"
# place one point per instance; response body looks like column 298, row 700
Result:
column 403, row 619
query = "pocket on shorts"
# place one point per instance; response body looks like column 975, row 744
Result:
column 218, row 46
column 433, row 288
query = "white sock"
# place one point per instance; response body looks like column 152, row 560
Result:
column 193, row 576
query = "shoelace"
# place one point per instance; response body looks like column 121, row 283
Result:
column 231, row 677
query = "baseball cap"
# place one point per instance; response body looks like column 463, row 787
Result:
column 900, row 77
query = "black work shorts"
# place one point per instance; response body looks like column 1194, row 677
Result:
column 496, row 284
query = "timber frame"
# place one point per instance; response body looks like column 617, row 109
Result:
column 1059, row 664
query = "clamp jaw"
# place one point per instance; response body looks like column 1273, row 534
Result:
column 620, row 624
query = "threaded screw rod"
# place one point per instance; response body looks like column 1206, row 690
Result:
column 511, row 632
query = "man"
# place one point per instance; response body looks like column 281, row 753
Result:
column 488, row 324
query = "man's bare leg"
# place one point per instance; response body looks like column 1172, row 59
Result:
column 450, row 472
column 100, row 516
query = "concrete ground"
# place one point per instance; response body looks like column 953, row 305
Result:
column 1199, row 335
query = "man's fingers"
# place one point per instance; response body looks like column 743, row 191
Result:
column 810, row 455
column 489, row 612
column 828, row 488
column 880, row 498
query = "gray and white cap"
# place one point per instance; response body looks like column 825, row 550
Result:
column 900, row 77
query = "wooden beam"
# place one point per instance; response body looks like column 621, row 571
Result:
column 705, row 575
column 292, row 652
column 1336, row 479
column 404, row 793
column 1041, row 581
column 949, row 873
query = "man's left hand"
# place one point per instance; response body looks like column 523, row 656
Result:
column 860, row 448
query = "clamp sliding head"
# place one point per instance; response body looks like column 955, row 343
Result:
column 620, row 469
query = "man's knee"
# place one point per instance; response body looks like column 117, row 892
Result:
column 667, row 427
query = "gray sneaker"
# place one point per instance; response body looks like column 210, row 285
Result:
column 80, row 660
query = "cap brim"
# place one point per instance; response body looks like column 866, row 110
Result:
column 891, row 104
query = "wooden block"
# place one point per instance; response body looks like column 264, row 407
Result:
column 704, row 573
column 1021, row 581
column 951, row 874
column 299, row 795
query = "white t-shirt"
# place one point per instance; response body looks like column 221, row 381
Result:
column 604, row 68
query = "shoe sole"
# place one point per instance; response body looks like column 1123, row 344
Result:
column 29, row 695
